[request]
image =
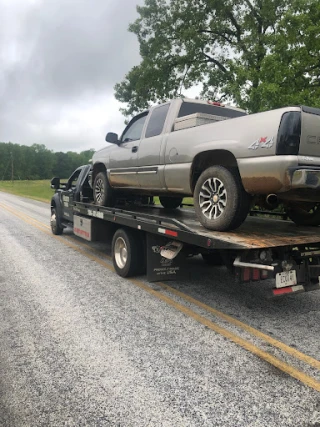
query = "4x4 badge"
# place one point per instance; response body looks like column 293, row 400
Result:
column 263, row 142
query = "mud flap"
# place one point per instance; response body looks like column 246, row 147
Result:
column 165, row 259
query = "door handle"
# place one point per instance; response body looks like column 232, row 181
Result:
column 134, row 149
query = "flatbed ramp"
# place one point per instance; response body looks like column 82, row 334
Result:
column 262, row 233
column 183, row 225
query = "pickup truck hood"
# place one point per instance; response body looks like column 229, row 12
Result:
column 103, row 153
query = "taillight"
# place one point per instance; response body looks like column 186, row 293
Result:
column 249, row 274
column 255, row 274
column 289, row 133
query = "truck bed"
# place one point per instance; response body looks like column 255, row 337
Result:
column 182, row 225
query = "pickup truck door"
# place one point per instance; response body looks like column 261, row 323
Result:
column 123, row 161
column 72, row 191
column 149, row 162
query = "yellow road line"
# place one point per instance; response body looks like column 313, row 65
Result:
column 284, row 347
column 267, row 338
column 22, row 215
column 40, row 226
column 255, row 332
column 283, row 366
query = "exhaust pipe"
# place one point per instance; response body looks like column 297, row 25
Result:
column 272, row 200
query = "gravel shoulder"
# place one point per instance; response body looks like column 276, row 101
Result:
column 80, row 346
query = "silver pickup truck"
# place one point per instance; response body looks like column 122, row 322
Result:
column 221, row 156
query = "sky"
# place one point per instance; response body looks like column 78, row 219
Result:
column 59, row 62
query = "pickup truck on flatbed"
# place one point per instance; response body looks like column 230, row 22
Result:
column 224, row 158
column 146, row 238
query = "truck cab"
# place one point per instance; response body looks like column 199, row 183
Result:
column 76, row 189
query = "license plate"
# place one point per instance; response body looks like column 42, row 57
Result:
column 286, row 278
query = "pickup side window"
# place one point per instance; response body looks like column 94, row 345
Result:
column 195, row 107
column 156, row 121
column 134, row 129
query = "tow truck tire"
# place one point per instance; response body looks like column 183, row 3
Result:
column 304, row 215
column 55, row 226
column 103, row 194
column 220, row 201
column 128, row 253
column 170, row 202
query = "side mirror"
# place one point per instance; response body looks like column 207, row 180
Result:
column 55, row 183
column 112, row 137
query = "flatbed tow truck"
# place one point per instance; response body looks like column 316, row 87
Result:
column 149, row 239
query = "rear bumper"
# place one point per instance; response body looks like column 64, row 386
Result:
column 304, row 178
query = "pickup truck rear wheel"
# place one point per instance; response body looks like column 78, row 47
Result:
column 304, row 214
column 102, row 192
column 54, row 222
column 128, row 253
column 170, row 202
column 220, row 201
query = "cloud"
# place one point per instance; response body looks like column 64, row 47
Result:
column 59, row 62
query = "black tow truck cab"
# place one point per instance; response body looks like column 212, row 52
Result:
column 149, row 239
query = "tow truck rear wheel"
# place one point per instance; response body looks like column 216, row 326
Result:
column 304, row 214
column 55, row 226
column 128, row 254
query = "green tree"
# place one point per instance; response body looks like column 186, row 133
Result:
column 260, row 54
column 44, row 161
column 38, row 162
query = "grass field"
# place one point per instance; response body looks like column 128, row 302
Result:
column 40, row 190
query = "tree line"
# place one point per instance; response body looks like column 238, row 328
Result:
column 22, row 162
column 258, row 54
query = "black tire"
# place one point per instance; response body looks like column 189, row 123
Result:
column 231, row 205
column 244, row 208
column 56, row 228
column 213, row 258
column 103, row 194
column 170, row 202
column 304, row 215
column 128, row 253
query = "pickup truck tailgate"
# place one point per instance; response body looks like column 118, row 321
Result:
column 310, row 132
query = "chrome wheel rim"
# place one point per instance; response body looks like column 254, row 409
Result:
column 212, row 198
column 53, row 220
column 99, row 190
column 120, row 252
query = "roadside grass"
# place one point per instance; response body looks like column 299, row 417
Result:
column 40, row 190
column 186, row 201
column 37, row 190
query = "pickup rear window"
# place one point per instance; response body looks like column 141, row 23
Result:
column 194, row 107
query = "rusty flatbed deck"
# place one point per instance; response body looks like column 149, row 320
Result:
column 255, row 232
column 265, row 232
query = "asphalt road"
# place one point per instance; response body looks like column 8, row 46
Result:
column 80, row 346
